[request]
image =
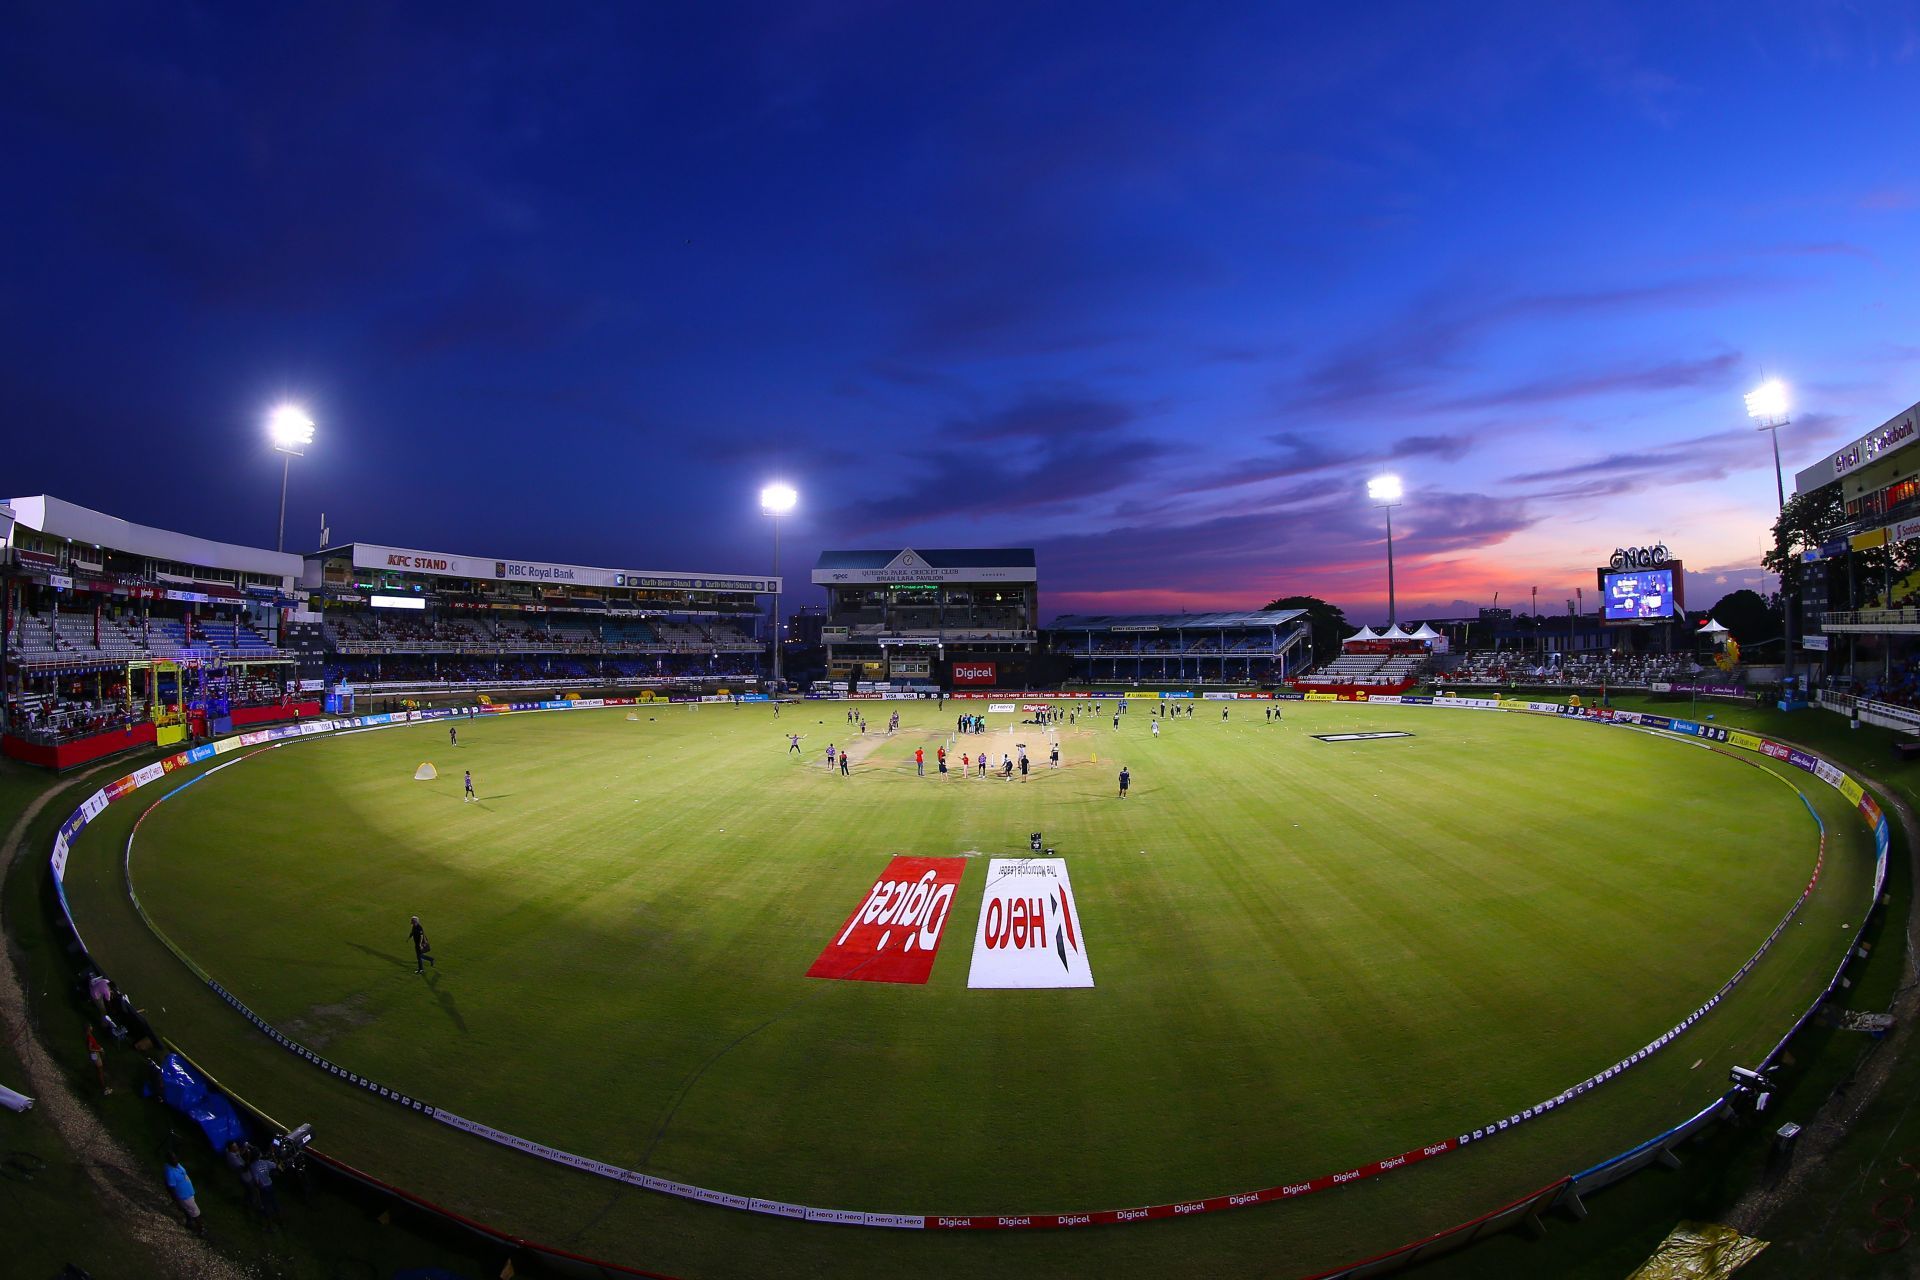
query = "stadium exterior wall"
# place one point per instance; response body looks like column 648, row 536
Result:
column 1559, row 1192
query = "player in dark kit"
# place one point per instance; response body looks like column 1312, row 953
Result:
column 470, row 795
column 453, row 736
column 1125, row 778
column 422, row 949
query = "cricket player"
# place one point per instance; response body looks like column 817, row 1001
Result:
column 919, row 761
column 453, row 736
column 1125, row 778
column 1053, row 757
column 422, row 949
column 793, row 744
column 470, row 794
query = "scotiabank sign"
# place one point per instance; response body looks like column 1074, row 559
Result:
column 1029, row 933
column 895, row 932
column 975, row 672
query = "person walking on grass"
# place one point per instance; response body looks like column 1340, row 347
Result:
column 422, row 949
column 919, row 760
column 453, row 735
column 182, row 1188
column 845, row 772
column 1125, row 778
column 470, row 794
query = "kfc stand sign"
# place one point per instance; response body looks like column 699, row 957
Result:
column 975, row 672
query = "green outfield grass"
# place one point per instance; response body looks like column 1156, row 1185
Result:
column 1307, row 955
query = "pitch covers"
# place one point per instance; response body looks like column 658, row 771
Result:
column 895, row 932
column 1029, row 933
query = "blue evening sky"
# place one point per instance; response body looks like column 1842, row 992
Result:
column 1153, row 288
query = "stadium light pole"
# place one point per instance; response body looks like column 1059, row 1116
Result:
column 776, row 500
column 291, row 431
column 1767, row 406
column 1384, row 492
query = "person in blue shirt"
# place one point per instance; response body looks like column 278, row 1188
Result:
column 182, row 1188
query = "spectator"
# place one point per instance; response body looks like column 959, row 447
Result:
column 99, row 1057
column 263, row 1170
column 182, row 1188
column 240, row 1160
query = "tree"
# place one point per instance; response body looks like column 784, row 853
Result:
column 1750, row 616
column 1328, row 621
column 1806, row 522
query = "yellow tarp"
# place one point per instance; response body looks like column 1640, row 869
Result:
column 1699, row 1251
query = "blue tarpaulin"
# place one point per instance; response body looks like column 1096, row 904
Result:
column 182, row 1089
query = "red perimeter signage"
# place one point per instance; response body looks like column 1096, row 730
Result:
column 894, row 934
column 975, row 672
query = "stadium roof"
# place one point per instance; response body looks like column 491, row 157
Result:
column 1175, row 621
column 58, row 518
column 937, row 558
column 940, row 564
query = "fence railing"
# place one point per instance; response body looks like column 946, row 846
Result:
column 1864, row 618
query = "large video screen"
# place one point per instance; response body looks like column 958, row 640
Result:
column 1632, row 597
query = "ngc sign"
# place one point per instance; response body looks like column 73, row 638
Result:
column 1640, row 557
column 894, row 934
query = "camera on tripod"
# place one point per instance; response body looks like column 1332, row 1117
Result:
column 290, row 1149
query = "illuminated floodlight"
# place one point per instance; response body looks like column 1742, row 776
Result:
column 1384, row 489
column 290, row 429
column 778, row 499
column 1767, row 401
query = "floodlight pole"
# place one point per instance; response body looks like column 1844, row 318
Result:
column 776, row 602
column 1771, row 426
column 1393, row 613
column 286, row 466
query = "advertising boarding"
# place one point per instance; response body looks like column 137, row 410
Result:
column 894, row 934
column 1030, row 933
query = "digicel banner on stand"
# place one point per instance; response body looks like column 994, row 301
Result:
column 1029, row 933
column 893, row 935
column 975, row 672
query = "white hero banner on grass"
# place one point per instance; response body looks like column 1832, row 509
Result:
column 1000, row 708
column 1029, row 932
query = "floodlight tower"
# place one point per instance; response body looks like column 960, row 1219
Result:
column 291, row 431
column 1384, row 492
column 776, row 500
column 1767, row 406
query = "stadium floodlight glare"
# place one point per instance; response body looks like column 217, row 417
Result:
column 291, row 431
column 1767, row 401
column 776, row 500
column 1384, row 492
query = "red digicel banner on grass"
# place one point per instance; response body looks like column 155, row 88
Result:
column 893, row 935
column 975, row 672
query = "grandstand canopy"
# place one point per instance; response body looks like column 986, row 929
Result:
column 1395, row 632
column 1365, row 633
column 1869, row 462
column 442, row 564
column 57, row 518
column 942, row 564
column 1176, row 621
column 1426, row 632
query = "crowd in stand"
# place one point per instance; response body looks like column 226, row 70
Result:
column 1508, row 668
